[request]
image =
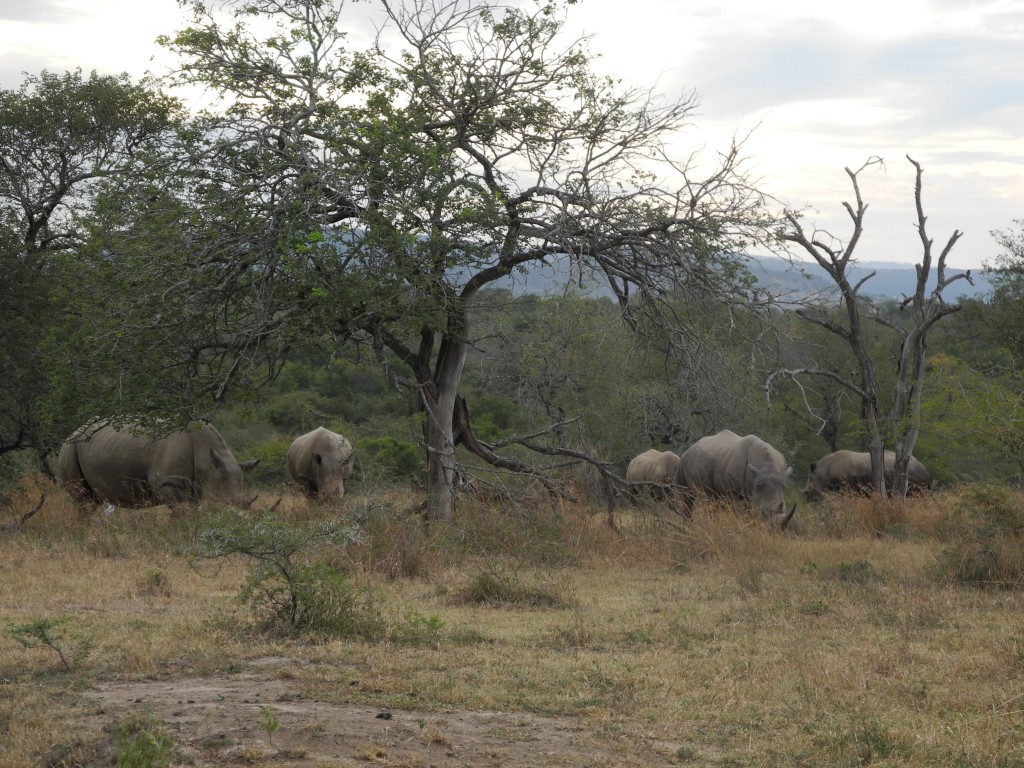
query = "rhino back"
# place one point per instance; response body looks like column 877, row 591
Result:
column 844, row 468
column 653, row 466
column 665, row 467
column 718, row 463
column 133, row 469
column 118, row 466
column 714, row 464
column 852, row 469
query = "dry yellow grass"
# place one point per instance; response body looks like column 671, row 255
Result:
column 710, row 641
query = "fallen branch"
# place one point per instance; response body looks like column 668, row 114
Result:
column 21, row 521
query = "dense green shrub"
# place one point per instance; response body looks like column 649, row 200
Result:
column 387, row 459
column 272, row 454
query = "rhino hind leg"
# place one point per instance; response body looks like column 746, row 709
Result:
column 73, row 479
column 82, row 495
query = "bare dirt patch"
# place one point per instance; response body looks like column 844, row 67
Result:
column 215, row 721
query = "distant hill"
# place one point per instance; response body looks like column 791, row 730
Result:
column 890, row 281
column 787, row 282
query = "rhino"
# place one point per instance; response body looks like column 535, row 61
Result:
column 126, row 467
column 320, row 461
column 653, row 466
column 852, row 470
column 747, row 467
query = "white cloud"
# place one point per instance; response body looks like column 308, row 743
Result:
column 822, row 86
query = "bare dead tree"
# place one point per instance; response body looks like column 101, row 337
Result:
column 899, row 424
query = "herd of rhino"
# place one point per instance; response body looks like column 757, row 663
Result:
column 101, row 463
column 124, row 467
column 748, row 468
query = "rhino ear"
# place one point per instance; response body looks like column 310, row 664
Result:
column 788, row 472
column 218, row 461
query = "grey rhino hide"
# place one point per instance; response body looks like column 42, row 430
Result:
column 747, row 467
column 852, row 470
column 321, row 462
column 128, row 468
column 653, row 466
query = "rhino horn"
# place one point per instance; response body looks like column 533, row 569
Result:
column 787, row 518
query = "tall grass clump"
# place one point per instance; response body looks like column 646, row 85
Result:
column 504, row 590
column 852, row 515
column 986, row 548
column 395, row 541
column 730, row 535
column 537, row 532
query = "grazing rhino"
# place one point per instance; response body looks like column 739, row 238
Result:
column 654, row 466
column 852, row 470
column 742, row 467
column 126, row 467
column 320, row 461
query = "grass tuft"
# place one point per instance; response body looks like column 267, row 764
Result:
column 501, row 590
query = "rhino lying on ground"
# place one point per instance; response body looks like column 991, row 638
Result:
column 741, row 467
column 852, row 470
column 654, row 466
column 129, row 468
column 320, row 461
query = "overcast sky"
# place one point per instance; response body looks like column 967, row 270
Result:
column 819, row 85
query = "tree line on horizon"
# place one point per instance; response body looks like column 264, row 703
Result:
column 179, row 266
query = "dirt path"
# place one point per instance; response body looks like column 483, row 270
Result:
column 215, row 721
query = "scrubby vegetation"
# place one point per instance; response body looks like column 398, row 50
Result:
column 870, row 634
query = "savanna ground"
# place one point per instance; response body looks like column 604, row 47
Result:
column 872, row 634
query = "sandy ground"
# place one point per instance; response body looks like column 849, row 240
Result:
column 215, row 721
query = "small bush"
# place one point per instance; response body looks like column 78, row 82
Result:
column 155, row 583
column 315, row 599
column 540, row 533
column 987, row 550
column 284, row 589
column 417, row 630
column 141, row 743
column 71, row 644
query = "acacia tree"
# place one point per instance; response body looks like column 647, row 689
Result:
column 899, row 423
column 1007, row 277
column 63, row 134
column 372, row 194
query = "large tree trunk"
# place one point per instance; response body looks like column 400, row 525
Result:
column 439, row 397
